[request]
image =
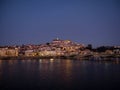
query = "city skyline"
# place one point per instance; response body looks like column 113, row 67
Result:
column 95, row 22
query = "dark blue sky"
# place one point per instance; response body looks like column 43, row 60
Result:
column 94, row 22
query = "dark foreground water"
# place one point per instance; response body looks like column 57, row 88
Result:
column 59, row 75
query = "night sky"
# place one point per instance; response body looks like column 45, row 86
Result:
column 95, row 22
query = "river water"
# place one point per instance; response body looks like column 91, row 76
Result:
column 58, row 74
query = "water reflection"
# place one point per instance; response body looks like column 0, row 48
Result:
column 52, row 72
column 51, row 68
column 66, row 71
column 0, row 69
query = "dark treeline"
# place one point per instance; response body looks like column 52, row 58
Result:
column 101, row 48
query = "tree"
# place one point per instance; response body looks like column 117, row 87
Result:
column 89, row 47
column 47, row 43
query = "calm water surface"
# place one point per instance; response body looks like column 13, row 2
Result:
column 59, row 75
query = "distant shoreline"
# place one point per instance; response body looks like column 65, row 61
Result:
column 78, row 57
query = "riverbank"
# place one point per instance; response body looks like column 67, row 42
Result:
column 78, row 57
column 32, row 57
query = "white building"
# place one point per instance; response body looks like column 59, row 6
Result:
column 8, row 51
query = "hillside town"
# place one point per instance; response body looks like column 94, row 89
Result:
column 58, row 48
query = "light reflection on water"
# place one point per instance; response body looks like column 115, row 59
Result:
column 58, row 73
